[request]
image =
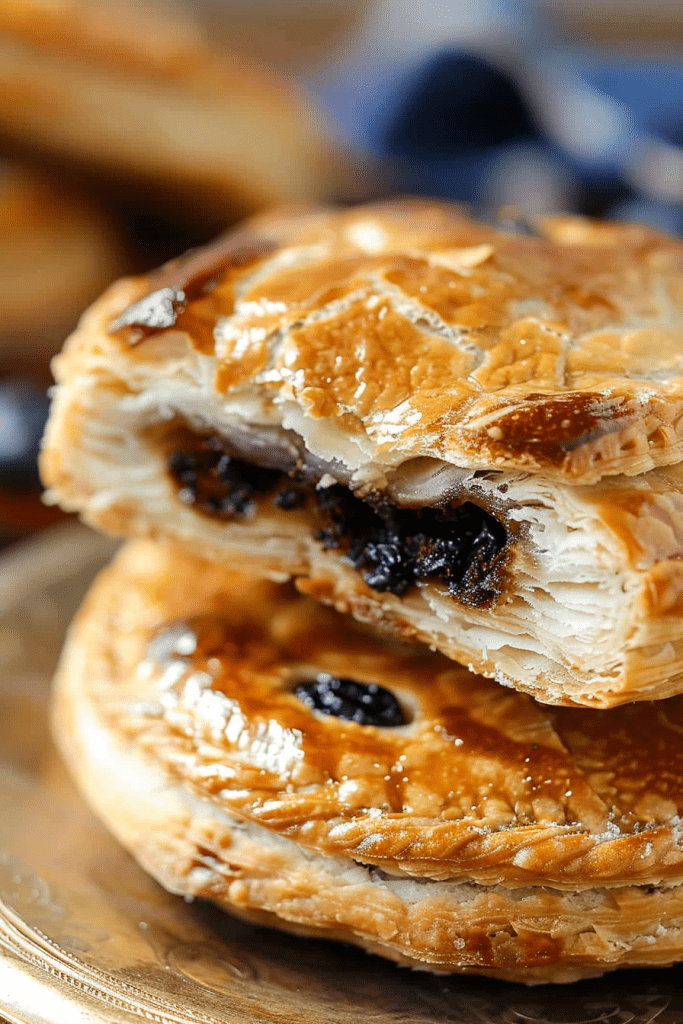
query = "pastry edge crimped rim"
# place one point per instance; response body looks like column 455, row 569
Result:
column 167, row 827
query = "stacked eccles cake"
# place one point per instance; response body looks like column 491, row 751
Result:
column 396, row 656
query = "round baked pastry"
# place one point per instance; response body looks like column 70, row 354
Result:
column 255, row 748
column 57, row 252
column 137, row 98
column 470, row 434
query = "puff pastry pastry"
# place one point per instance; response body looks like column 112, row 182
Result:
column 468, row 435
column 445, row 822
column 137, row 98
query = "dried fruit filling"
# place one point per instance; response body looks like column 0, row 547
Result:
column 365, row 703
column 394, row 548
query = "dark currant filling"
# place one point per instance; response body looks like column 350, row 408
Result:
column 394, row 548
column 215, row 483
column 365, row 703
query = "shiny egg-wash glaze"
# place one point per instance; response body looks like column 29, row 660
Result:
column 542, row 323
column 429, row 363
column 484, row 833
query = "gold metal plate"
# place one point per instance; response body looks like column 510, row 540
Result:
column 86, row 936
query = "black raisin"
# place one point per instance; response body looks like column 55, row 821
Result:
column 216, row 483
column 389, row 566
column 225, row 469
column 187, row 495
column 365, row 703
column 290, row 497
column 329, row 537
column 183, row 465
column 394, row 548
column 258, row 477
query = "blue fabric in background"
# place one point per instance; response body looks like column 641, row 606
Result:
column 23, row 412
column 557, row 128
column 455, row 96
column 653, row 92
column 450, row 122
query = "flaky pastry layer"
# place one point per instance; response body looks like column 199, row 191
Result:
column 589, row 593
column 407, row 353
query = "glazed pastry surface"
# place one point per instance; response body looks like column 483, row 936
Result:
column 411, row 331
column 496, row 833
column 417, row 363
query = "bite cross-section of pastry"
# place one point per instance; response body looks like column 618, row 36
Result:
column 469, row 436
column 252, row 747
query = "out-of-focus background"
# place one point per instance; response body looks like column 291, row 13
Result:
column 133, row 129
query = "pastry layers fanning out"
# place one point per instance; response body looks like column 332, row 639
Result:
column 401, row 356
column 250, row 746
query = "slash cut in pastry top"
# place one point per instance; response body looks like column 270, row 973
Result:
column 473, row 432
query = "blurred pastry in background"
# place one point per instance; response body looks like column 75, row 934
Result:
column 57, row 251
column 136, row 100
column 295, row 36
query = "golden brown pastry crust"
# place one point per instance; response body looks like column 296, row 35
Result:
column 411, row 331
column 488, row 834
column 377, row 339
column 136, row 97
